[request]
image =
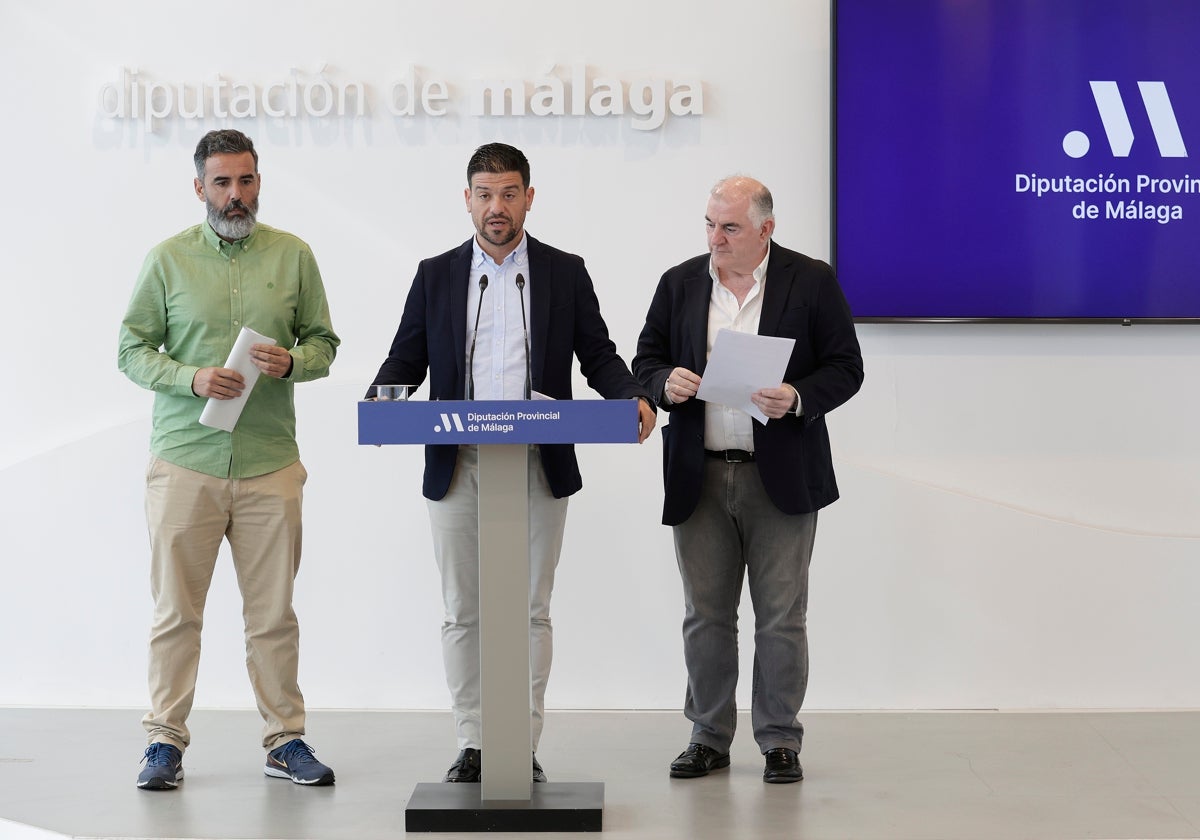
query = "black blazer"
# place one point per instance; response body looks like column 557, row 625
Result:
column 564, row 320
column 802, row 301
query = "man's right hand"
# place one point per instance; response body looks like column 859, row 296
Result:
column 218, row 383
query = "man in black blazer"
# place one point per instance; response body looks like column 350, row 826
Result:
column 743, row 496
column 471, row 303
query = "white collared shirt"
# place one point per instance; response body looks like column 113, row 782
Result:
column 724, row 427
column 499, row 367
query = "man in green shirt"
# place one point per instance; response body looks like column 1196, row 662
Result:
column 195, row 294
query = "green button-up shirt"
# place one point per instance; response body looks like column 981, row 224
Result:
column 195, row 293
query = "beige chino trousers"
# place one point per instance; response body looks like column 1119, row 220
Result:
column 188, row 514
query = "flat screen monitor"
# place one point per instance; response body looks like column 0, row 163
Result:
column 1012, row 160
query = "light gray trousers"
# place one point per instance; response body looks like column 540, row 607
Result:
column 455, row 523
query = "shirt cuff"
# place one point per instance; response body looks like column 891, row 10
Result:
column 185, row 375
column 799, row 409
column 666, row 398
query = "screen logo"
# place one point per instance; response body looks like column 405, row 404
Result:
column 1118, row 128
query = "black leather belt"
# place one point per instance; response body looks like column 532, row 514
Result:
column 730, row 456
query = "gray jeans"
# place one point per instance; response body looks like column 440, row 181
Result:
column 736, row 531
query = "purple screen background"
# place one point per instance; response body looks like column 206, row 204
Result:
column 940, row 104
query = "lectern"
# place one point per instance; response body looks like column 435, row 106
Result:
column 506, row 799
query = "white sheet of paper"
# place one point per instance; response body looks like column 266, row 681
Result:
column 224, row 414
column 740, row 364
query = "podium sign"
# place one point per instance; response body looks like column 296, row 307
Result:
column 498, row 421
column 506, row 800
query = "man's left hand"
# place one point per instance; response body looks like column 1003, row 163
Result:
column 775, row 402
column 271, row 359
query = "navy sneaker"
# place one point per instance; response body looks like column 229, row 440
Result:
column 164, row 768
column 295, row 761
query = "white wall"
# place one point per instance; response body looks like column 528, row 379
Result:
column 1018, row 525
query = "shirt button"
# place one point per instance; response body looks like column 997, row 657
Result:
column 233, row 259
column 235, row 323
column 235, row 291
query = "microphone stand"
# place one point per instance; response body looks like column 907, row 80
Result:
column 525, row 327
column 483, row 281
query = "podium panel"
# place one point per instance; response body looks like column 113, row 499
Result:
column 498, row 421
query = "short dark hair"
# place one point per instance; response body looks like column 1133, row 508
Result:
column 226, row 141
column 498, row 158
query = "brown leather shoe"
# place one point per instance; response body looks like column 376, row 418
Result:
column 698, row 760
column 783, row 766
column 466, row 768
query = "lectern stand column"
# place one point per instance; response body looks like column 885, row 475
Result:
column 504, row 621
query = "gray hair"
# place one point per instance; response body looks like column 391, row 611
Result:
column 226, row 141
column 762, row 205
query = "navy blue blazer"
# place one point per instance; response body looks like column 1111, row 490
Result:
column 564, row 321
column 803, row 301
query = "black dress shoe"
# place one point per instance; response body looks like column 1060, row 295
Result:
column 783, row 766
column 698, row 760
column 466, row 768
column 539, row 775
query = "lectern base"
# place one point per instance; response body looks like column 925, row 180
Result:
column 553, row 806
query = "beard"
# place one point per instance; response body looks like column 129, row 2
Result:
column 503, row 238
column 232, row 228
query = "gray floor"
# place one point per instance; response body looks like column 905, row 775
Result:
column 869, row 776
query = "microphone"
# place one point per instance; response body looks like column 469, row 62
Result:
column 525, row 326
column 475, row 334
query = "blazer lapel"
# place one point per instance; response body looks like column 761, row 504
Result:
column 539, row 283
column 696, row 297
column 779, row 286
column 460, row 278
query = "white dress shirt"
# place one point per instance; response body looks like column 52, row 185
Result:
column 724, row 427
column 499, row 363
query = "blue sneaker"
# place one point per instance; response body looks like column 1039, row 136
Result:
column 164, row 768
column 295, row 761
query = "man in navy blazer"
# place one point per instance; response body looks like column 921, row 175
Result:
column 742, row 496
column 473, row 302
